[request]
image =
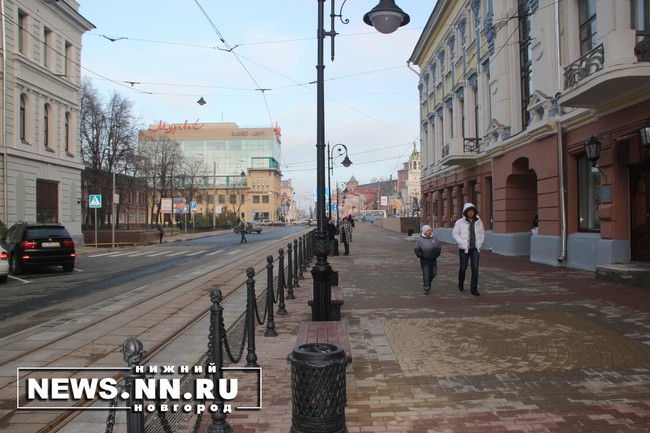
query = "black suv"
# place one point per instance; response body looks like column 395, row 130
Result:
column 39, row 245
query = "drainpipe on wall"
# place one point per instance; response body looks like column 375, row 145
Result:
column 5, row 164
column 560, row 163
column 560, row 152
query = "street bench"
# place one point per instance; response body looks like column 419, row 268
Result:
column 332, row 332
column 336, row 302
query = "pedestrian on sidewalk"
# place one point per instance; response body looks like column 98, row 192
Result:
column 346, row 235
column 242, row 230
column 427, row 248
column 469, row 234
column 161, row 232
column 331, row 235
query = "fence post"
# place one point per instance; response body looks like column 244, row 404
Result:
column 132, row 353
column 251, row 356
column 290, row 294
column 270, row 297
column 219, row 423
column 296, row 283
column 301, row 265
column 282, row 310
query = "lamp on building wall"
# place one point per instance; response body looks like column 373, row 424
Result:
column 592, row 147
column 645, row 135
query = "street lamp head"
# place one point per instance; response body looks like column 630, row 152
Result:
column 346, row 162
column 386, row 17
column 201, row 102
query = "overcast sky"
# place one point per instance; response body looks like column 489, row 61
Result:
column 253, row 61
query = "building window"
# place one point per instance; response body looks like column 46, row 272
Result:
column 23, row 32
column 588, row 28
column 222, row 199
column 265, row 199
column 47, row 47
column 256, row 199
column 66, row 131
column 588, row 195
column 47, row 201
column 233, row 199
column 640, row 18
column 23, row 118
column 46, row 125
column 525, row 62
column 67, row 62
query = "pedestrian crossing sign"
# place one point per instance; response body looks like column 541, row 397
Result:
column 95, row 201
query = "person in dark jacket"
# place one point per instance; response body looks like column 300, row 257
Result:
column 346, row 235
column 427, row 248
column 331, row 235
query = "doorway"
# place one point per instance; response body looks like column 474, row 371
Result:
column 640, row 213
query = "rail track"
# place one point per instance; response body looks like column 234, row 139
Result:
column 184, row 298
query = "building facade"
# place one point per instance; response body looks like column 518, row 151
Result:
column 41, row 76
column 240, row 171
column 510, row 93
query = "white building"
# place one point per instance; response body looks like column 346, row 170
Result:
column 41, row 154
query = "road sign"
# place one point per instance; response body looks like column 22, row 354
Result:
column 95, row 201
column 193, row 206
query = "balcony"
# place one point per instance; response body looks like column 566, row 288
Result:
column 590, row 82
column 461, row 151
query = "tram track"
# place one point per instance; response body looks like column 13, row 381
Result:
column 189, row 296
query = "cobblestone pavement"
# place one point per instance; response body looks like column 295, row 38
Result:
column 543, row 349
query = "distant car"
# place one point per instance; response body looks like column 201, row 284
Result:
column 30, row 245
column 4, row 265
column 250, row 228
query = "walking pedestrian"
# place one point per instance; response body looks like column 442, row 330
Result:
column 331, row 235
column 469, row 234
column 427, row 248
column 346, row 235
column 161, row 232
column 242, row 230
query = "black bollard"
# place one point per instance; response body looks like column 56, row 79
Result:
column 219, row 423
column 290, row 294
column 251, row 356
column 132, row 353
column 282, row 310
column 301, row 264
column 295, row 264
column 270, row 298
column 318, row 390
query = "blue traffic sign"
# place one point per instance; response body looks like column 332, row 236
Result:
column 95, row 201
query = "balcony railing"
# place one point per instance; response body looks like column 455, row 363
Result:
column 585, row 66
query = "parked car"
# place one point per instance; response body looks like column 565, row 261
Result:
column 30, row 245
column 250, row 228
column 4, row 265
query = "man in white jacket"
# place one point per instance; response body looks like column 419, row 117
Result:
column 469, row 234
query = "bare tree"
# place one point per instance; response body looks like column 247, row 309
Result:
column 162, row 167
column 108, row 140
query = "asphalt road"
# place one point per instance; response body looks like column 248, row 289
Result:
column 43, row 294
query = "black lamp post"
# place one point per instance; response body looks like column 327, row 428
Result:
column 385, row 12
column 342, row 150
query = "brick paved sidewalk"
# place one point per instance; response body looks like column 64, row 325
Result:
column 544, row 349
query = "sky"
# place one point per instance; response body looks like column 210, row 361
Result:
column 254, row 63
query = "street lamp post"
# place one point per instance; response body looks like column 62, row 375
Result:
column 386, row 17
column 342, row 150
column 214, row 195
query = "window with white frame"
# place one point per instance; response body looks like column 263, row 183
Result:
column 22, row 127
column 48, row 46
column 23, row 32
column 588, row 25
column 640, row 18
column 46, row 125
column 525, row 61
column 588, row 195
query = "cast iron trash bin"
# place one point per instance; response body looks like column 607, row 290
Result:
column 318, row 388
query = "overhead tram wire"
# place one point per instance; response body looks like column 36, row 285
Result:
column 232, row 51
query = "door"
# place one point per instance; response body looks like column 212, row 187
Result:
column 640, row 213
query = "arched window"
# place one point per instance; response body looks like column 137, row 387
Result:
column 46, row 125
